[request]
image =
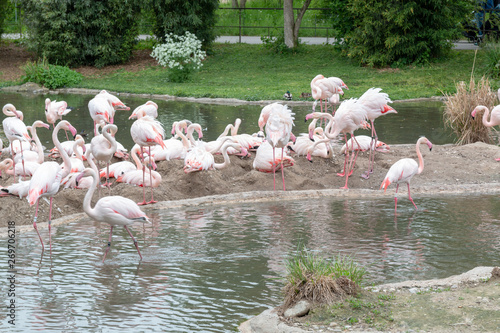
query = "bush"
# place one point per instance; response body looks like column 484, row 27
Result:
column 179, row 16
column 312, row 277
column 74, row 32
column 181, row 54
column 492, row 49
column 276, row 43
column 458, row 108
column 50, row 76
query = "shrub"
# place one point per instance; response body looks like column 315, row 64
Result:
column 492, row 49
column 312, row 277
column 50, row 76
column 181, row 54
column 458, row 108
column 74, row 32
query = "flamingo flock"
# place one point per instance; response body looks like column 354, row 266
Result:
column 273, row 146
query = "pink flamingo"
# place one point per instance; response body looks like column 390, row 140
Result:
column 114, row 210
column 198, row 158
column 146, row 131
column 403, row 171
column 327, row 89
column 132, row 174
column 375, row 103
column 103, row 147
column 150, row 107
column 47, row 178
column 15, row 129
column 34, row 155
column 279, row 123
column 55, row 110
column 365, row 143
column 267, row 160
column 103, row 106
column 494, row 118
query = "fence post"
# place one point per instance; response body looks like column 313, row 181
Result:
column 240, row 25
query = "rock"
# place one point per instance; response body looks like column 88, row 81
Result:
column 267, row 321
column 298, row 310
column 32, row 88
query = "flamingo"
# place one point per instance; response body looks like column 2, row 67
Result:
column 68, row 147
column 199, row 158
column 494, row 118
column 150, row 107
column 47, row 178
column 85, row 182
column 114, row 210
column 327, row 89
column 34, row 155
column 127, row 172
column 403, row 170
column 279, row 123
column 365, row 143
column 375, row 103
column 15, row 129
column 305, row 145
column 103, row 147
column 54, row 110
column 102, row 108
column 19, row 189
column 266, row 159
column 146, row 131
column 349, row 117
column 173, row 148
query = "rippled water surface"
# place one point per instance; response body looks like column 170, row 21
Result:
column 413, row 120
column 208, row 268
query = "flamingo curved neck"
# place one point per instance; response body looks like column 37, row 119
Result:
column 39, row 147
column 62, row 152
column 486, row 115
column 221, row 142
column 136, row 159
column 88, row 196
column 185, row 141
column 111, row 140
column 226, row 156
column 420, row 158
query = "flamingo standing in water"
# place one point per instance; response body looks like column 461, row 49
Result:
column 103, row 147
column 403, row 171
column 375, row 103
column 494, row 118
column 327, row 89
column 150, row 107
column 103, row 106
column 15, row 129
column 114, row 210
column 279, row 123
column 146, row 131
column 47, row 178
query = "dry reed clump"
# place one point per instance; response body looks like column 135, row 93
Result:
column 458, row 108
column 322, row 290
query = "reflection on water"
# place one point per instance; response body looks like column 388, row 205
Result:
column 412, row 121
column 208, row 268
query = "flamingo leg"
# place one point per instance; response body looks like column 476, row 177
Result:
column 65, row 131
column 22, row 161
column 143, row 180
column 346, row 157
column 135, row 242
column 151, row 181
column 50, row 223
column 274, row 171
column 95, row 128
column 371, row 158
column 13, row 159
column 282, row 169
column 34, row 224
column 396, row 200
column 409, row 196
column 351, row 164
column 109, row 243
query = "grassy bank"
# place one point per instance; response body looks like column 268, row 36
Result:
column 251, row 72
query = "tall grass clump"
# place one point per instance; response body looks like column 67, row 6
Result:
column 319, row 280
column 458, row 108
column 492, row 64
column 50, row 76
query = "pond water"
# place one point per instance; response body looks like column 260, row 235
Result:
column 208, row 268
column 413, row 120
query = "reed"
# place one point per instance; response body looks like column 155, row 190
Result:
column 458, row 108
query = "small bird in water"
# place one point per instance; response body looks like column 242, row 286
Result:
column 287, row 96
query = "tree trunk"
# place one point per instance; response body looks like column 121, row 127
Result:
column 292, row 26
column 234, row 3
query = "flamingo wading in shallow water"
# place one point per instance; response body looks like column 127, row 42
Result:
column 403, row 171
column 114, row 210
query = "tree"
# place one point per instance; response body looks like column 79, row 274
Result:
column 178, row 16
column 242, row 3
column 389, row 32
column 291, row 25
column 4, row 5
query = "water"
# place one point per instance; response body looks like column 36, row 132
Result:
column 208, row 268
column 412, row 121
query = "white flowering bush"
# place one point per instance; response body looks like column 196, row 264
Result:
column 181, row 54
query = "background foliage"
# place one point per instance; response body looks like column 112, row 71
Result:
column 179, row 16
column 82, row 32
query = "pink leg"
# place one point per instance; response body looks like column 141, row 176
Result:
column 274, row 171
column 371, row 158
column 351, row 164
column 151, row 181
column 409, row 196
column 64, row 132
column 396, row 200
column 143, row 180
column 109, row 243
column 34, row 224
column 282, row 169
column 346, row 157
column 13, row 159
column 135, row 242
column 22, row 161
column 50, row 222
column 95, row 129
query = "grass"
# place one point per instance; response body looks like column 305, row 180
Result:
column 251, row 72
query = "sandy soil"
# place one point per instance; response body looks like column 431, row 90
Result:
column 448, row 169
